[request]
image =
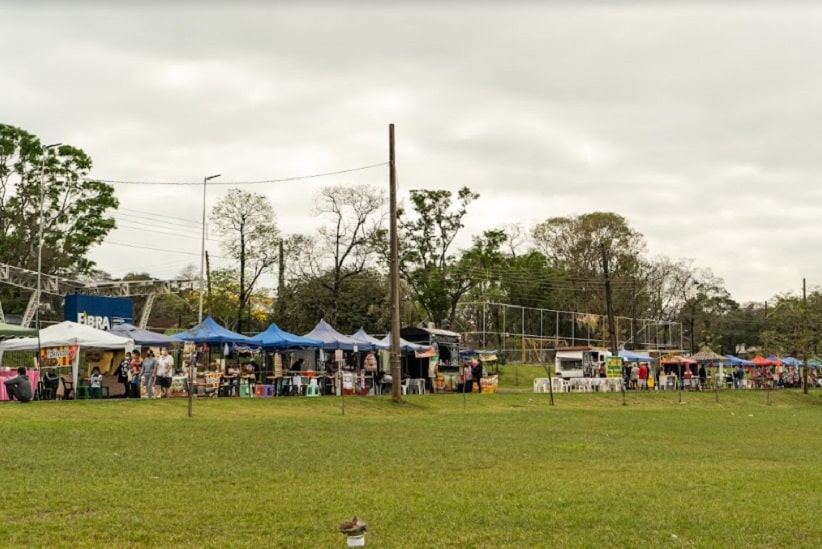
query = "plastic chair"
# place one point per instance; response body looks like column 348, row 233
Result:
column 313, row 390
column 297, row 386
column 68, row 388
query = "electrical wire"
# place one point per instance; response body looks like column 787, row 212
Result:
column 223, row 182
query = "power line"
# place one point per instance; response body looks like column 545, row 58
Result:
column 223, row 182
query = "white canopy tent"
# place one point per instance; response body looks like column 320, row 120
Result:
column 67, row 334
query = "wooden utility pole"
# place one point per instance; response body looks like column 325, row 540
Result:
column 208, row 278
column 609, row 303
column 610, row 309
column 280, row 308
column 396, row 373
column 804, row 338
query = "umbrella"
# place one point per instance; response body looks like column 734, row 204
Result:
column 676, row 359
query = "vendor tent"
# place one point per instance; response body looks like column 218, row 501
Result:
column 366, row 342
column 785, row 360
column 331, row 338
column 143, row 337
column 69, row 334
column 276, row 338
column 762, row 361
column 705, row 354
column 13, row 330
column 208, row 331
column 405, row 346
column 736, row 361
column 630, row 356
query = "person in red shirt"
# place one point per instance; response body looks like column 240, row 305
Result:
column 643, row 377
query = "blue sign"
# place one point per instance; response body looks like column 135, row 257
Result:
column 97, row 311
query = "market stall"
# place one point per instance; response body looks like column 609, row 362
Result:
column 61, row 344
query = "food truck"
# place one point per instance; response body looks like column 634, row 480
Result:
column 580, row 361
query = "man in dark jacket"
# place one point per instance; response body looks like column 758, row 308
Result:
column 476, row 373
column 19, row 386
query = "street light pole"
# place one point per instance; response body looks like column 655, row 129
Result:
column 202, row 246
column 42, row 186
column 192, row 362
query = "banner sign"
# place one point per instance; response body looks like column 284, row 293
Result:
column 98, row 311
column 58, row 356
column 614, row 366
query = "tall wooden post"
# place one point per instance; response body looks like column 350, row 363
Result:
column 396, row 373
column 804, row 342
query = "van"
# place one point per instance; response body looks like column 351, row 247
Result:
column 582, row 361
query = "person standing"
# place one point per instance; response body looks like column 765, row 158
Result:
column 476, row 374
column 134, row 370
column 642, row 376
column 96, row 383
column 165, row 370
column 122, row 374
column 19, row 387
column 147, row 373
column 467, row 378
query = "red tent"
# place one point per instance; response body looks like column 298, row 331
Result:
column 762, row 361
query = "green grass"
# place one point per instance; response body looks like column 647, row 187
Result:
column 505, row 470
column 519, row 376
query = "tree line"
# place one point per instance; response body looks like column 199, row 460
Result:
column 340, row 270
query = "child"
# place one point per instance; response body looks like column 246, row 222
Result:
column 96, row 383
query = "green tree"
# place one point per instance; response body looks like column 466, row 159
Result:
column 348, row 242
column 426, row 262
column 575, row 244
column 362, row 301
column 245, row 221
column 74, row 207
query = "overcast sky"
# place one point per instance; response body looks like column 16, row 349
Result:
column 702, row 126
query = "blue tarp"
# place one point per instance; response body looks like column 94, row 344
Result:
column 786, row 360
column 143, row 337
column 210, row 332
column 331, row 338
column 366, row 342
column 736, row 361
column 276, row 338
column 630, row 356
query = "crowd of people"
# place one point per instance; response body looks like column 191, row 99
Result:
column 139, row 375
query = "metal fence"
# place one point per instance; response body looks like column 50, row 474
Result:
column 530, row 335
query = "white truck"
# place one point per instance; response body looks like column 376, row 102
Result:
column 582, row 361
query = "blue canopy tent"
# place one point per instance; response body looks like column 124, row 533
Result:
column 630, row 356
column 736, row 361
column 143, row 337
column 331, row 338
column 276, row 338
column 366, row 342
column 208, row 331
column 786, row 360
column 405, row 346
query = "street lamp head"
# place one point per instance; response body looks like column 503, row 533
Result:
column 210, row 177
column 52, row 146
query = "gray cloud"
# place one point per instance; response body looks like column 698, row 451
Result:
column 698, row 124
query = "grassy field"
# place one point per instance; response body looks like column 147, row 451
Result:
column 505, row 470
